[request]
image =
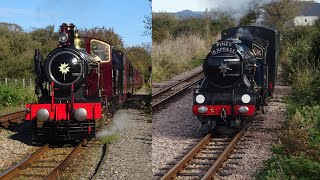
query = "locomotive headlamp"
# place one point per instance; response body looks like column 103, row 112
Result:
column 202, row 109
column 200, row 98
column 63, row 37
column 245, row 98
column 243, row 109
column 42, row 114
column 80, row 114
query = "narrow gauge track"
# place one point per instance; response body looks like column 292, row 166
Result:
column 205, row 159
column 15, row 117
column 171, row 91
column 45, row 163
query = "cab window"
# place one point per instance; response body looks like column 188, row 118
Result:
column 100, row 49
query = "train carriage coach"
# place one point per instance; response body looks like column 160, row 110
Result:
column 78, row 84
column 240, row 72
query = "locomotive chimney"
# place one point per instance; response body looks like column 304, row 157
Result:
column 67, row 34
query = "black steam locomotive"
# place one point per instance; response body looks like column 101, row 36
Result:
column 240, row 73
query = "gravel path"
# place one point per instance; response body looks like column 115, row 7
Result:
column 130, row 156
column 174, row 129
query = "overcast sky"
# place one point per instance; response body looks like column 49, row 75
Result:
column 198, row 5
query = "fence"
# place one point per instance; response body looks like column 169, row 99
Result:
column 17, row 82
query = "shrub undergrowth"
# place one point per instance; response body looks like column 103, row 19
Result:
column 297, row 156
column 12, row 95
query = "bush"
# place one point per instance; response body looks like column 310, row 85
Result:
column 305, row 88
column 285, row 167
column 12, row 95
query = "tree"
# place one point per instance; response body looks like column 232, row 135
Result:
column 162, row 25
column 140, row 58
column 280, row 12
column 47, row 38
column 253, row 13
column 104, row 34
column 148, row 23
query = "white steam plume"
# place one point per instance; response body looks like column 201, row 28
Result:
column 120, row 122
column 237, row 9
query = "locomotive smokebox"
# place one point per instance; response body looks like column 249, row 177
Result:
column 67, row 33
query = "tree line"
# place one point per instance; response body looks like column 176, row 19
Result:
column 17, row 48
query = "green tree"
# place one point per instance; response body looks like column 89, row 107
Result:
column 104, row 34
column 253, row 13
column 47, row 38
column 280, row 12
column 140, row 58
column 162, row 25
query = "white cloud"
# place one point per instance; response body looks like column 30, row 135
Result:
column 22, row 12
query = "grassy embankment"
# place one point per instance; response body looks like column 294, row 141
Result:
column 14, row 97
column 297, row 155
column 179, row 44
column 174, row 56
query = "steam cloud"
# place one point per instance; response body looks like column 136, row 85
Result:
column 236, row 9
column 119, row 123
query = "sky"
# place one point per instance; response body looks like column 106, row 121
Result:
column 198, row 5
column 178, row 5
column 124, row 16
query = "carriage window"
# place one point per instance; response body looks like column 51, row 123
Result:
column 100, row 49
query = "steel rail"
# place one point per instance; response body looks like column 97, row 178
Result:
column 156, row 104
column 14, row 170
column 55, row 173
column 175, row 84
column 218, row 162
column 181, row 164
column 12, row 116
column 224, row 155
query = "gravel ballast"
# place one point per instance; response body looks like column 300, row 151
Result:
column 130, row 156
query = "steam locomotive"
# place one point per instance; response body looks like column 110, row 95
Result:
column 239, row 76
column 78, row 84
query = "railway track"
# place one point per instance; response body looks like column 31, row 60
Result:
column 45, row 163
column 206, row 158
column 173, row 90
column 16, row 117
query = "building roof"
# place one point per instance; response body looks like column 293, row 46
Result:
column 310, row 9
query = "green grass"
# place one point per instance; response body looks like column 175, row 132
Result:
column 12, row 95
column 284, row 167
column 13, row 98
column 110, row 139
